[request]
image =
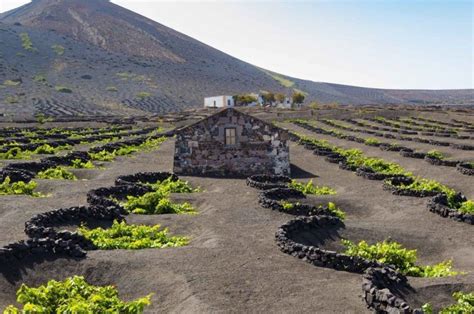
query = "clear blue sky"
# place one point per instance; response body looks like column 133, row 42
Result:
column 390, row 44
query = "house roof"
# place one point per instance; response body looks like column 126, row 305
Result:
column 225, row 110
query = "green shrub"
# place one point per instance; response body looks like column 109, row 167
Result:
column 103, row 155
column 58, row 173
column 288, row 205
column 310, row 188
column 467, row 207
column 63, row 89
column 111, row 89
column 26, row 42
column 435, row 154
column 15, row 153
column 18, row 188
column 155, row 203
column 372, row 141
column 74, row 295
column 40, row 78
column 143, row 95
column 47, row 149
column 11, row 83
column 170, row 186
column 58, row 49
column 393, row 253
column 131, row 237
column 465, row 304
column 79, row 164
column 339, row 213
column 12, row 99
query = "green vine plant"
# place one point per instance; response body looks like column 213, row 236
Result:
column 79, row 164
column 372, row 141
column 19, row 188
column 131, row 237
column 158, row 202
column 464, row 304
column 15, row 153
column 57, row 173
column 435, row 155
column 310, row 188
column 355, row 157
column 147, row 145
column 74, row 295
column 331, row 207
column 404, row 260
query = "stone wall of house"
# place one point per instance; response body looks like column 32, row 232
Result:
column 260, row 147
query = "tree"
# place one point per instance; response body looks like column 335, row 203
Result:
column 268, row 98
column 243, row 100
column 280, row 98
column 298, row 98
column 314, row 105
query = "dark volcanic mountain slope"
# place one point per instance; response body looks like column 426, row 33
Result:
column 64, row 57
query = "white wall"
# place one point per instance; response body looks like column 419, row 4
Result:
column 219, row 101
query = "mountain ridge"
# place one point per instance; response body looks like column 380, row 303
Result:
column 120, row 62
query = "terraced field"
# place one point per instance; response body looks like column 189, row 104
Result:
column 259, row 245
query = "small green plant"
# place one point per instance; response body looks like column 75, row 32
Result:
column 170, row 186
column 42, row 119
column 79, row 164
column 156, row 203
column 47, row 149
column 310, row 188
column 12, row 99
column 63, row 89
column 57, row 173
column 40, row 78
column 467, row 207
column 393, row 253
column 111, row 89
column 103, row 155
column 26, row 42
column 15, row 153
column 372, row 141
column 74, row 295
column 464, row 304
column 143, row 95
column 288, row 205
column 336, row 211
column 11, row 83
column 131, row 237
column 58, row 49
column 18, row 188
column 435, row 155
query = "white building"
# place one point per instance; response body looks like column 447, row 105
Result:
column 286, row 104
column 219, row 102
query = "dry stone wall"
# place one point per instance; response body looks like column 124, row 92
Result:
column 260, row 148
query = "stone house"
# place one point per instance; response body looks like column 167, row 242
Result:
column 231, row 143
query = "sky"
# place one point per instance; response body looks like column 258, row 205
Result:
column 412, row 44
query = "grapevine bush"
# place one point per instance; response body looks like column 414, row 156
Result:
column 79, row 164
column 18, row 188
column 15, row 153
column 310, row 188
column 393, row 253
column 465, row 304
column 57, row 173
column 74, row 295
column 435, row 155
column 131, row 237
column 156, row 203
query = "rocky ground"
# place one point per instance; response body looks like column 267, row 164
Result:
column 232, row 263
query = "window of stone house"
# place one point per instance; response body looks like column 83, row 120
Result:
column 230, row 136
